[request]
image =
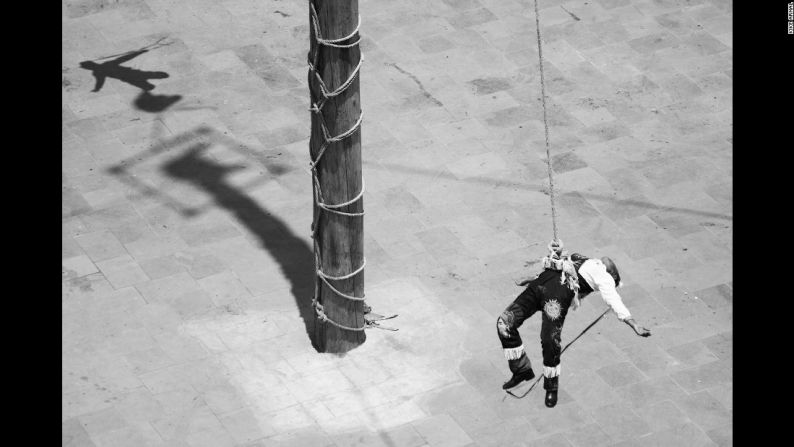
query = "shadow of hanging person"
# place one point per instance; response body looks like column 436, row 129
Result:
column 294, row 255
column 114, row 69
column 155, row 103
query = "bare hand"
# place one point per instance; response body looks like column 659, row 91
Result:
column 641, row 331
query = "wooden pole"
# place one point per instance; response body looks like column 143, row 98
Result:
column 340, row 238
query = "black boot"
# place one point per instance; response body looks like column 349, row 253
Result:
column 518, row 378
column 551, row 384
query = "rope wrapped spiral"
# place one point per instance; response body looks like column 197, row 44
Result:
column 325, row 94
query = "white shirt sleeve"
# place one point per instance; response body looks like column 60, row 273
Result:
column 595, row 273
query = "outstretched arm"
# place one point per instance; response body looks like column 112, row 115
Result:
column 605, row 284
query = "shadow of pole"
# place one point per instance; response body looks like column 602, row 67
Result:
column 293, row 255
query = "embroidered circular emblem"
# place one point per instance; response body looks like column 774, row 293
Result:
column 552, row 309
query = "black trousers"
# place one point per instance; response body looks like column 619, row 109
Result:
column 552, row 299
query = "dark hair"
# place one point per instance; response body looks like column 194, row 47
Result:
column 612, row 269
column 578, row 260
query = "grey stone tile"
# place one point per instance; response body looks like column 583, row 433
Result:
column 405, row 435
column 224, row 288
column 470, row 18
column 652, row 360
column 102, row 421
column 138, row 405
column 474, row 417
column 721, row 345
column 620, row 374
column 651, row 391
column 566, row 417
column 122, row 271
column 610, row 4
column 687, row 434
column 653, row 42
column 555, row 440
column 515, row 430
column 308, row 439
column 704, row 410
column 588, row 389
column 704, row 376
column 163, row 289
column 72, row 202
column 704, row 44
column 567, row 161
column 663, row 415
column 161, row 266
column 680, row 87
column 692, row 354
column 77, row 266
column 73, row 434
column 717, row 296
column 588, row 435
column 130, row 436
column 722, row 436
column 610, row 31
column 243, row 426
column 148, row 360
column 679, row 301
column 442, row 430
column 620, row 422
column 434, row 44
column 490, row 85
column 678, row 22
column 481, row 377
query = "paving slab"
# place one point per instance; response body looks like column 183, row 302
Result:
column 186, row 205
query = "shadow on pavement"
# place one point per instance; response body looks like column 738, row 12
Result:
column 114, row 69
column 155, row 103
column 293, row 254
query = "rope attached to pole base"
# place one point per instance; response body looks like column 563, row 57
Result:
column 316, row 107
column 328, row 139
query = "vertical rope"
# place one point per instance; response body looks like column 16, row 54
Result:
column 546, row 124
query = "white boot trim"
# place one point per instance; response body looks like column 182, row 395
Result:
column 514, row 353
column 551, row 371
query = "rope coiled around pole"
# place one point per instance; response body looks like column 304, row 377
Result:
column 316, row 108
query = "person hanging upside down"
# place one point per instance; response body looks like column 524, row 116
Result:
column 563, row 282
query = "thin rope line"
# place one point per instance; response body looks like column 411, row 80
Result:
column 545, row 122
column 348, row 276
column 343, row 204
column 350, row 297
column 332, row 42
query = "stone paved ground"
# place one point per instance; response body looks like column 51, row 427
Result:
column 185, row 231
